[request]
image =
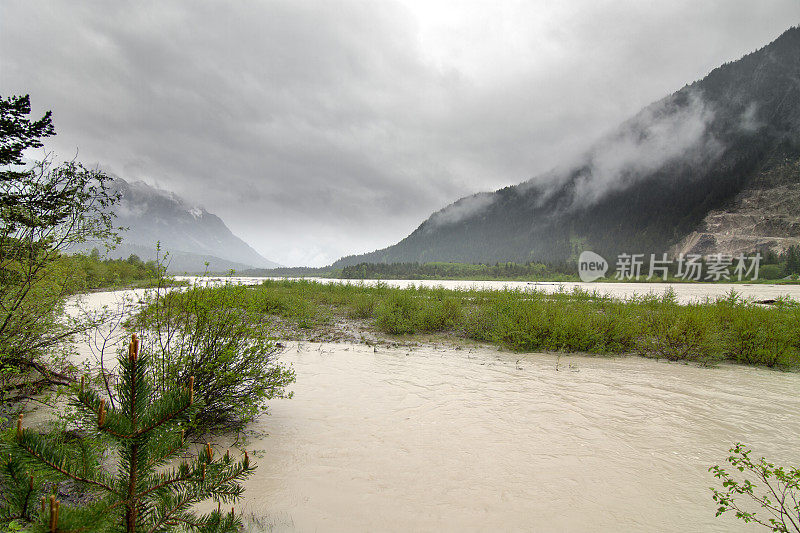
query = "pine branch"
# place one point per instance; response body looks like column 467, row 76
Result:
column 165, row 517
column 167, row 453
column 163, row 404
column 213, row 475
column 37, row 448
column 178, row 406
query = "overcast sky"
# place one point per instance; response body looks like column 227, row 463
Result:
column 318, row 129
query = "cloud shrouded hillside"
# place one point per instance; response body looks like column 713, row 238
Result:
column 190, row 234
column 650, row 183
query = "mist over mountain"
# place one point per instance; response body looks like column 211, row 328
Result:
column 727, row 144
column 191, row 235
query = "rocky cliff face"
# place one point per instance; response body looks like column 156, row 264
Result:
column 765, row 215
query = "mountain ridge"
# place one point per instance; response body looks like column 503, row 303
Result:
column 191, row 235
column 643, row 187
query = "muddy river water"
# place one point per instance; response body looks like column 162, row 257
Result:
column 477, row 439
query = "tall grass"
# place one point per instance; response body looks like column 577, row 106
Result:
column 728, row 328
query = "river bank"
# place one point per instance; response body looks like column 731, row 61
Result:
column 728, row 327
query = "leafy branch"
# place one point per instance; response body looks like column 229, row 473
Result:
column 778, row 496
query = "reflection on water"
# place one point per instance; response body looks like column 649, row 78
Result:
column 458, row 440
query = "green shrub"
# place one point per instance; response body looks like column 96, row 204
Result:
column 681, row 333
column 520, row 326
column 478, row 324
column 771, row 272
column 206, row 333
column 754, row 336
column 615, row 327
column 397, row 314
column 438, row 314
column 575, row 320
column 362, row 306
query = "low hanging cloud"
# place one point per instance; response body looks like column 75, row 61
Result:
column 663, row 133
column 749, row 120
column 460, row 210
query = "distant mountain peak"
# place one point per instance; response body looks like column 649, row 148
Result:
column 188, row 232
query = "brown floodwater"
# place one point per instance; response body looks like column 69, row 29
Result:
column 476, row 439
column 482, row 440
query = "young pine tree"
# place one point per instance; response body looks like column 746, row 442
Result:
column 143, row 494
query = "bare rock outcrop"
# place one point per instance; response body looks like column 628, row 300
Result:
column 764, row 215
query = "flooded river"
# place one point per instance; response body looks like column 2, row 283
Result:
column 477, row 439
column 481, row 440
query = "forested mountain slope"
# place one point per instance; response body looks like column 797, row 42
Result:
column 648, row 186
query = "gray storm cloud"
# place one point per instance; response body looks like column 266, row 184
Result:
column 318, row 129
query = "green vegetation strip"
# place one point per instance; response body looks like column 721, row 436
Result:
column 723, row 329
